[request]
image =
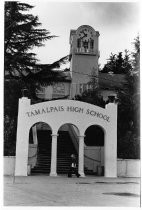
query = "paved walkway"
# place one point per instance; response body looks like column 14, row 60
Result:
column 63, row 191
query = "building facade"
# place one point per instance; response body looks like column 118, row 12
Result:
column 84, row 51
column 85, row 131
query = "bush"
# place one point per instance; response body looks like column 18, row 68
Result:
column 9, row 136
column 128, row 146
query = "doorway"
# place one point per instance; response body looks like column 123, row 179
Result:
column 94, row 149
column 40, row 148
column 67, row 144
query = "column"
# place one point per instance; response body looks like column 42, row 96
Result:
column 22, row 138
column 110, row 154
column 110, row 158
column 53, row 170
column 81, row 156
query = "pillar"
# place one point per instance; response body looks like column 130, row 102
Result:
column 110, row 153
column 53, row 170
column 22, row 139
column 81, row 156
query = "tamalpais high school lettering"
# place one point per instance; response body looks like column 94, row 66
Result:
column 47, row 110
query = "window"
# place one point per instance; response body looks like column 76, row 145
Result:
column 84, row 87
column 85, row 44
column 92, row 44
column 81, row 88
column 78, row 43
column 89, row 86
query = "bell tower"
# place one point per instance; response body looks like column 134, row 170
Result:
column 84, row 55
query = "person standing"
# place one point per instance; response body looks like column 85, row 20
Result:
column 73, row 167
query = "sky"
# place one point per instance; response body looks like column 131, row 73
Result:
column 117, row 23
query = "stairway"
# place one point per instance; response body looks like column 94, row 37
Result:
column 65, row 148
column 44, row 153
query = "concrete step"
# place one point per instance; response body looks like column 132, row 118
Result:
column 65, row 148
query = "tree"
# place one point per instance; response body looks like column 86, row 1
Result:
column 129, row 101
column 136, row 56
column 117, row 64
column 91, row 97
column 20, row 65
column 12, row 93
column 21, row 35
column 129, row 110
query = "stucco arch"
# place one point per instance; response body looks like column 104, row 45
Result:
column 33, row 130
column 70, row 124
column 85, row 26
column 59, row 112
column 95, row 124
column 39, row 123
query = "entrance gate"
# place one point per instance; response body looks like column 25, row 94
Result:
column 57, row 113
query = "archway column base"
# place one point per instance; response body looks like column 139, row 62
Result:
column 51, row 174
column 110, row 176
column 82, row 175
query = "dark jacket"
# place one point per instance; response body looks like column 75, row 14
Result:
column 73, row 162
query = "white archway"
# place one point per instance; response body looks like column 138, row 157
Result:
column 59, row 112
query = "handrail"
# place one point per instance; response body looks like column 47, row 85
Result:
column 34, row 154
column 92, row 159
column 99, row 161
column 74, row 135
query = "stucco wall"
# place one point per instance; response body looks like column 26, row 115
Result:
column 94, row 156
column 128, row 168
column 79, row 64
column 59, row 112
column 9, row 165
column 125, row 168
column 57, row 90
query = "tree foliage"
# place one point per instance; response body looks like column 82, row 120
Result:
column 117, row 64
column 21, row 35
column 20, row 65
column 136, row 56
column 128, row 100
column 91, row 97
column 12, row 93
column 129, row 110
